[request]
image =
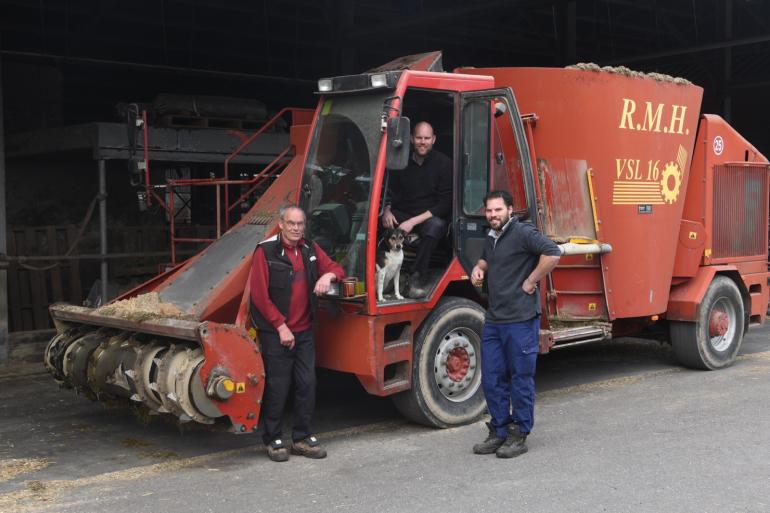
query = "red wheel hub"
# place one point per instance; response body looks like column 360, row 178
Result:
column 457, row 364
column 719, row 323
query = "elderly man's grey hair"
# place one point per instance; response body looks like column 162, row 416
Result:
column 285, row 208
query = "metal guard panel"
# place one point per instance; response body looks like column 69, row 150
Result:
column 740, row 210
column 229, row 350
column 211, row 268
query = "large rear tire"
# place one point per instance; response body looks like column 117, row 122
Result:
column 714, row 339
column 446, row 367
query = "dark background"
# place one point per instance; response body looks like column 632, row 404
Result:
column 71, row 61
column 67, row 62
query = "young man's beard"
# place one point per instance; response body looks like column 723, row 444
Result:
column 503, row 220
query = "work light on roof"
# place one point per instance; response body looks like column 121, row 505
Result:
column 379, row 80
column 325, row 85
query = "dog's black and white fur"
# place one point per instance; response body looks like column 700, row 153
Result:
column 390, row 256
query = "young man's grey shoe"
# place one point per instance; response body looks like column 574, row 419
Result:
column 514, row 445
column 491, row 444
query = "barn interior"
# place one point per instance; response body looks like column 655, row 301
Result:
column 210, row 89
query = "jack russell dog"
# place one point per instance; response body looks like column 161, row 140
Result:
column 390, row 256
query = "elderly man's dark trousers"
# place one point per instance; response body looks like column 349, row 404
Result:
column 283, row 365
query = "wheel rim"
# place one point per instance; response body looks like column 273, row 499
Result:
column 455, row 367
column 723, row 322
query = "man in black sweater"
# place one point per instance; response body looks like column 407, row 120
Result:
column 420, row 199
column 515, row 258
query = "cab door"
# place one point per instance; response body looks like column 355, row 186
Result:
column 493, row 154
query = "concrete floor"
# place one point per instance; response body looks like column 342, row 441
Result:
column 620, row 427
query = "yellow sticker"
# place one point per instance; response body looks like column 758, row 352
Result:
column 240, row 387
column 326, row 108
column 252, row 334
column 693, row 235
column 591, row 307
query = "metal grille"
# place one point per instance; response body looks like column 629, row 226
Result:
column 740, row 211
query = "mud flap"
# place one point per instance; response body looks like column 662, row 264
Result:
column 230, row 351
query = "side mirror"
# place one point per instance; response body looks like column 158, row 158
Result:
column 399, row 129
column 500, row 109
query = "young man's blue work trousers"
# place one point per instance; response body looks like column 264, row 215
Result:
column 508, row 359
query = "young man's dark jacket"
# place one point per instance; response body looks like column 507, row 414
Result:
column 510, row 260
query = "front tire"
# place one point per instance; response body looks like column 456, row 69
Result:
column 714, row 339
column 446, row 367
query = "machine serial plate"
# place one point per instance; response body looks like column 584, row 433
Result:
column 644, row 209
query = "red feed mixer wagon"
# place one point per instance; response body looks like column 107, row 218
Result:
column 661, row 214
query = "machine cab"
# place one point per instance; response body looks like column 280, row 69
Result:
column 360, row 138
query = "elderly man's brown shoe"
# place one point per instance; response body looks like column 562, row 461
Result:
column 310, row 447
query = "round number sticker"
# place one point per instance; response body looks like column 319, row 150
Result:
column 719, row 145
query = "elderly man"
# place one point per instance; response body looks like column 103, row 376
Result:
column 420, row 200
column 286, row 276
